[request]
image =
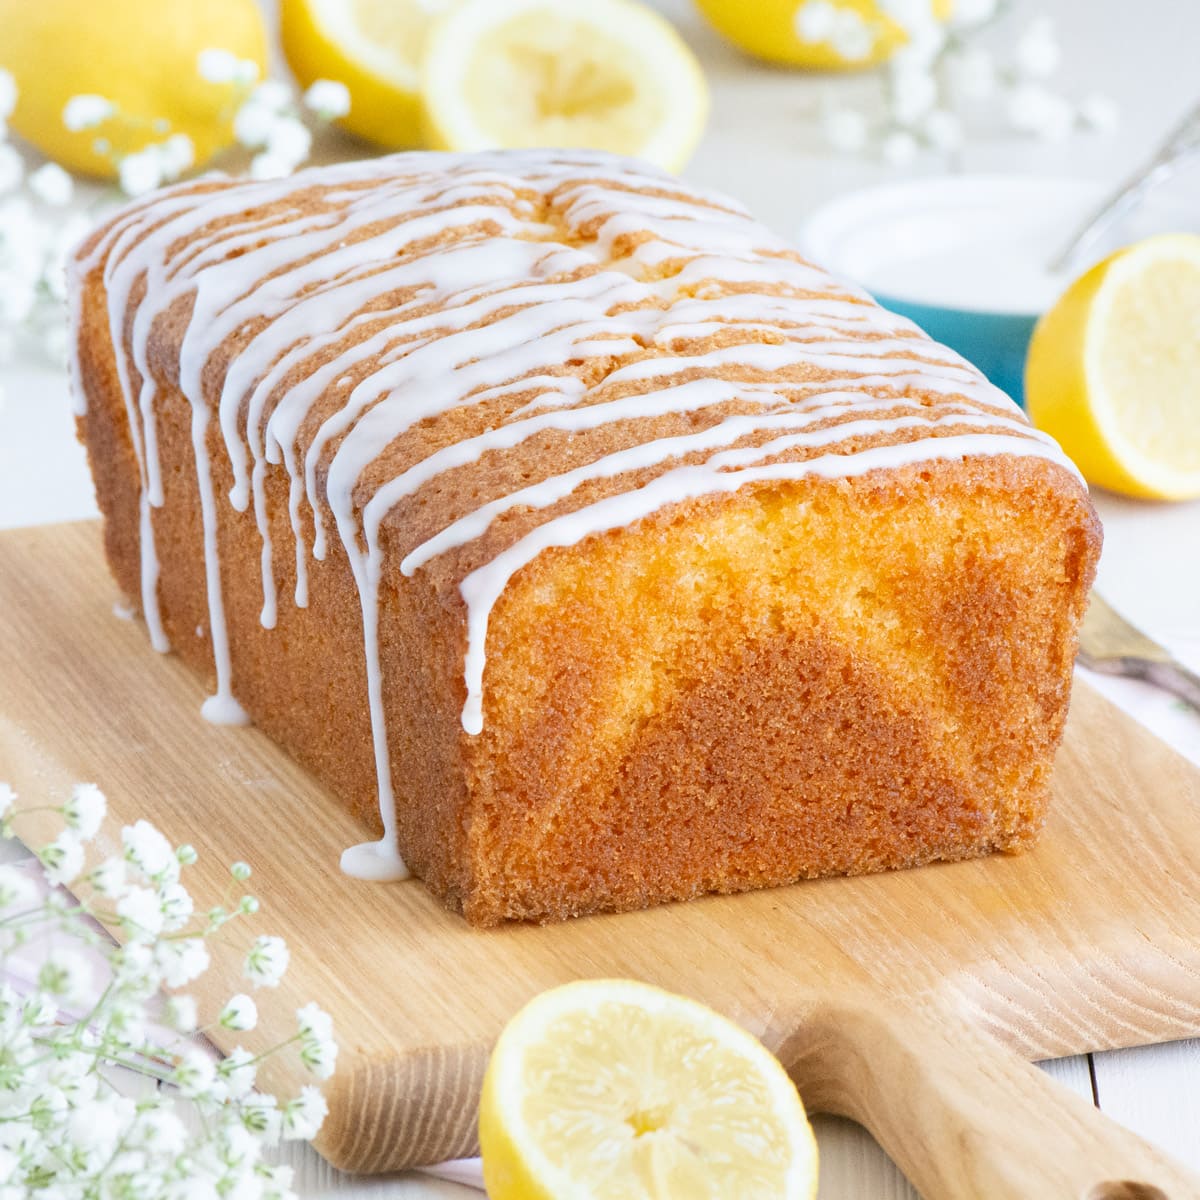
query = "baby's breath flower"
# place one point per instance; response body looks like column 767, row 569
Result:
column 216, row 65
column 108, row 878
column 52, row 185
column 86, row 809
column 150, row 852
column 1037, row 53
column 252, row 124
column 86, row 112
column 853, row 37
column 269, row 166
column 141, row 914
column 240, row 871
column 8, row 94
column 63, row 858
column 239, row 1014
column 303, row 1116
column 194, row 1073
column 140, row 172
column 95, row 1129
column 248, row 905
column 127, row 1022
column 65, row 976
column 237, row 1070
column 328, row 99
column 176, row 155
column 815, row 21
column 277, row 1182
column 182, row 961
column 186, row 855
column 160, row 1130
column 259, row 1113
column 1035, row 109
column 272, row 94
column 319, row 1055
column 267, row 961
column 175, row 904
column 134, row 967
column 314, row 1022
column 181, row 1013
column 289, row 140
column 18, row 892
column 65, row 1134
column 12, row 168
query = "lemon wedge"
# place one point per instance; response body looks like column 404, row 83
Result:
column 608, row 1089
column 375, row 48
column 141, row 56
column 1114, row 370
column 602, row 74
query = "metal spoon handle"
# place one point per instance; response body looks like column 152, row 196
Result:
column 1183, row 141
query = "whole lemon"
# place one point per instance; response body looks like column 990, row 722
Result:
column 835, row 35
column 139, row 54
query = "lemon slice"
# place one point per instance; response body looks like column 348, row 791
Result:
column 610, row 1089
column 1114, row 370
column 375, row 48
column 601, row 74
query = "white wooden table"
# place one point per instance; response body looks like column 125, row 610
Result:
column 762, row 145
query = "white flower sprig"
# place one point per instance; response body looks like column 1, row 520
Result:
column 941, row 76
column 68, row 1128
column 37, row 229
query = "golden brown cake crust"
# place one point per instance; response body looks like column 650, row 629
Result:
column 810, row 674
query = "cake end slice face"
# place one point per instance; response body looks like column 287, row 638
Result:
column 826, row 677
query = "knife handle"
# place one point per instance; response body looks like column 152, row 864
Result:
column 964, row 1117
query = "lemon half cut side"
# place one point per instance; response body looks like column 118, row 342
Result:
column 608, row 1089
column 598, row 74
column 1114, row 370
column 375, row 48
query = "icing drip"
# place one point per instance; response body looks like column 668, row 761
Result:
column 372, row 328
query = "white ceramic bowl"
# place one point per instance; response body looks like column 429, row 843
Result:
column 963, row 256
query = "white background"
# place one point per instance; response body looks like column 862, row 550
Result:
column 762, row 145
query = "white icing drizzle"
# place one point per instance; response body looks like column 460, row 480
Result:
column 552, row 294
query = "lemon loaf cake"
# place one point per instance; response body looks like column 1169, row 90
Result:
column 592, row 546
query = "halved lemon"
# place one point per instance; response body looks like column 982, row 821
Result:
column 1114, row 370
column 375, row 48
column 601, row 74
column 609, row 1088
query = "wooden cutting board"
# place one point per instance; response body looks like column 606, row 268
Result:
column 886, row 997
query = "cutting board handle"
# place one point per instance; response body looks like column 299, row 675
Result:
column 963, row 1116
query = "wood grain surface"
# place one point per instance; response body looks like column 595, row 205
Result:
column 889, row 998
